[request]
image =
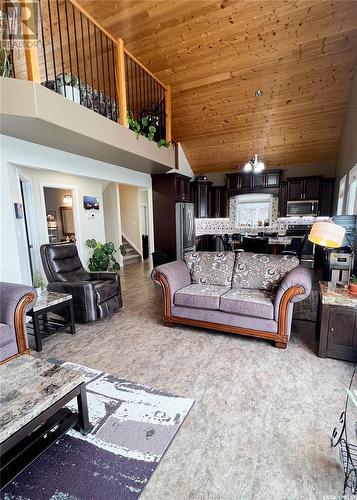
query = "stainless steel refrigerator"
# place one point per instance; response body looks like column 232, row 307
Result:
column 185, row 229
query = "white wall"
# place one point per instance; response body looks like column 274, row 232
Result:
column 112, row 221
column 130, row 219
column 50, row 166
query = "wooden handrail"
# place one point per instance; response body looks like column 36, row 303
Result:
column 144, row 68
column 94, row 21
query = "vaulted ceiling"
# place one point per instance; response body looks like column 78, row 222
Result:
column 216, row 54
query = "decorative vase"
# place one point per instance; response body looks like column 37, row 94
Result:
column 352, row 288
column 38, row 291
column 72, row 93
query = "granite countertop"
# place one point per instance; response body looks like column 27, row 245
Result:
column 28, row 387
column 47, row 299
column 336, row 296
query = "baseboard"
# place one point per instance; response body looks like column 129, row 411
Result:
column 132, row 244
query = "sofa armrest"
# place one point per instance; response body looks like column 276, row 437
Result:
column 15, row 301
column 295, row 286
column 105, row 275
column 172, row 277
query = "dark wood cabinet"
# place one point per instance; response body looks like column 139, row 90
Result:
column 218, row 202
column 249, row 182
column 304, row 188
column 327, row 197
column 283, row 197
column 167, row 190
column 182, row 188
column 199, row 195
column 338, row 332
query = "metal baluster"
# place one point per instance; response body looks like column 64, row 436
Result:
column 43, row 42
column 116, row 99
column 52, row 45
column 61, row 48
column 110, row 91
column 69, row 43
column 77, row 58
column 97, row 63
column 84, row 57
column 91, row 62
column 104, row 90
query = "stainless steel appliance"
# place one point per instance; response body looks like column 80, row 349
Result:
column 339, row 263
column 185, row 229
column 302, row 208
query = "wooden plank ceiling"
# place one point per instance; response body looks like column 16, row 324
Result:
column 216, row 54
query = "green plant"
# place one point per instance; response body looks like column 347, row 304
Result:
column 102, row 258
column 353, row 279
column 145, row 128
column 37, row 280
column 4, row 61
column 67, row 79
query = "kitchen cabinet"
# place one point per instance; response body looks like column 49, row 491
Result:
column 304, row 188
column 245, row 182
column 283, row 197
column 327, row 197
column 218, row 202
column 182, row 188
column 199, row 195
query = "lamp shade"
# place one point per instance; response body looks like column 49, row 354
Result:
column 327, row 234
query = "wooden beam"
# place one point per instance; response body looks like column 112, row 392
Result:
column 168, row 113
column 29, row 33
column 121, row 83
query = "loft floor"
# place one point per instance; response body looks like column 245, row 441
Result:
column 262, row 420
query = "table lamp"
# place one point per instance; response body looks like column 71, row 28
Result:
column 329, row 235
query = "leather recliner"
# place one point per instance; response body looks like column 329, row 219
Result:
column 96, row 295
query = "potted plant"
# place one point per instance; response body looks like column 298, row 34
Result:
column 38, row 283
column 68, row 86
column 353, row 285
column 103, row 258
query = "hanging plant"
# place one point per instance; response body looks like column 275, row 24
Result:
column 146, row 128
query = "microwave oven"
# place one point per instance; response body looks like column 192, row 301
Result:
column 302, row 208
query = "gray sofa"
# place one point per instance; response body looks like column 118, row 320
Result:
column 245, row 293
column 15, row 300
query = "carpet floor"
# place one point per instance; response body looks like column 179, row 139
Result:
column 132, row 427
column 260, row 427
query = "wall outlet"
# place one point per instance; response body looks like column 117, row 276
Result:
column 91, row 215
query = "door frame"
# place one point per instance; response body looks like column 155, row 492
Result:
column 75, row 208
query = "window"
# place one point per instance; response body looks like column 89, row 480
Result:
column 341, row 195
column 351, row 206
column 253, row 210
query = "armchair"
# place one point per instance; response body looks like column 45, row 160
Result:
column 15, row 300
column 95, row 295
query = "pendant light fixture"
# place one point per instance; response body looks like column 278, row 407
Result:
column 256, row 166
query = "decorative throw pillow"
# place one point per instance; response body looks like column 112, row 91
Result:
column 261, row 271
column 211, row 268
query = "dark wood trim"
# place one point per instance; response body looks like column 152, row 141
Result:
column 280, row 338
column 20, row 329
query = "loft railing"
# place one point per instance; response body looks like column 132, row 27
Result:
column 78, row 58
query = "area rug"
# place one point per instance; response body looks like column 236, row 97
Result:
column 133, row 426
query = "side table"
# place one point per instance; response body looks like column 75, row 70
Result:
column 42, row 326
column 337, row 323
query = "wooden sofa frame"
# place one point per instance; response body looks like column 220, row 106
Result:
column 280, row 338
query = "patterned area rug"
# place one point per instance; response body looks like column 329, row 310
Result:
column 133, row 426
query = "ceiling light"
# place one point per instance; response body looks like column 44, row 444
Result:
column 255, row 165
column 258, row 93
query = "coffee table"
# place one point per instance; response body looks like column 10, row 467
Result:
column 32, row 410
column 41, row 325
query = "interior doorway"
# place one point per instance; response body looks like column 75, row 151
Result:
column 59, row 214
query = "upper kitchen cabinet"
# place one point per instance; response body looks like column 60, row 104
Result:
column 218, row 206
column 200, row 196
column 327, row 197
column 304, row 188
column 182, row 187
column 244, row 182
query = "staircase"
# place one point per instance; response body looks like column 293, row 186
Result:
column 131, row 254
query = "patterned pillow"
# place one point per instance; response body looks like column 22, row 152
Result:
column 261, row 271
column 211, row 268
